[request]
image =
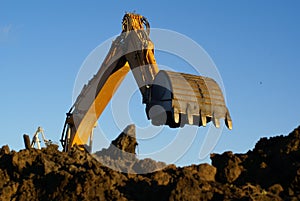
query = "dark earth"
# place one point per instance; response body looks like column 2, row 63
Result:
column 271, row 171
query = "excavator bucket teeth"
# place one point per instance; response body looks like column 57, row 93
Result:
column 197, row 100
column 176, row 117
column 203, row 120
column 216, row 122
column 228, row 121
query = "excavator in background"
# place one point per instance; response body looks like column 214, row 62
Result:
column 36, row 141
column 171, row 98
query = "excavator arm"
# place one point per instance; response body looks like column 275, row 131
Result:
column 177, row 97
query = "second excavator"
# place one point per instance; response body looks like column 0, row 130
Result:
column 171, row 98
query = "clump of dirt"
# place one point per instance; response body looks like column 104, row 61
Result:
column 271, row 171
column 121, row 155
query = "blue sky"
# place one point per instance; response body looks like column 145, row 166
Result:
column 254, row 44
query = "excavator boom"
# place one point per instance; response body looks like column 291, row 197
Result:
column 171, row 98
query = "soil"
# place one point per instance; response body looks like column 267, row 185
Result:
column 271, row 171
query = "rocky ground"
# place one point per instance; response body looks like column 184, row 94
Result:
column 271, row 171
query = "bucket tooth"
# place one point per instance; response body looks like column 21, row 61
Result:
column 189, row 117
column 216, row 122
column 228, row 121
column 203, row 119
column 176, row 116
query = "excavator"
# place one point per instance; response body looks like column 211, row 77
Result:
column 171, row 98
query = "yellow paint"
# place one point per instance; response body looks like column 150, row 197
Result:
column 104, row 96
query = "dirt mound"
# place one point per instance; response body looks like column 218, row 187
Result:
column 274, row 161
column 271, row 171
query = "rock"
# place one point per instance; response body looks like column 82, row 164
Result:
column 162, row 178
column 276, row 189
column 123, row 147
column 126, row 141
column 4, row 150
column 204, row 172
column 228, row 166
